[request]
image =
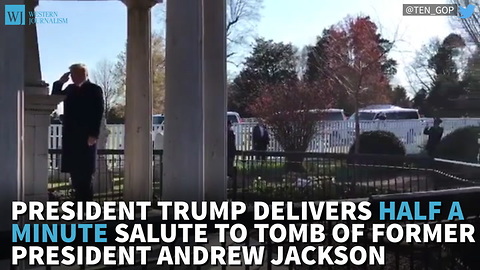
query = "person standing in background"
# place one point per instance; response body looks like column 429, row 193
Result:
column 260, row 139
column 231, row 150
column 83, row 112
column 435, row 134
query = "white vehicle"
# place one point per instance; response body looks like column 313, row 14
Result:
column 331, row 114
column 159, row 119
column 234, row 117
column 327, row 114
column 386, row 112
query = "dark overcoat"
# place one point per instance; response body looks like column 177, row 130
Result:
column 231, row 152
column 434, row 137
column 83, row 110
column 260, row 142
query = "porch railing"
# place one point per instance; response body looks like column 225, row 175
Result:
column 292, row 176
column 323, row 177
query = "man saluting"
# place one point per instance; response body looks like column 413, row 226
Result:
column 83, row 111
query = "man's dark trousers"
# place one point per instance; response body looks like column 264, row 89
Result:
column 83, row 186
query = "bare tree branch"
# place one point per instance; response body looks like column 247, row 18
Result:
column 471, row 25
column 423, row 74
column 242, row 19
column 241, row 22
column 158, row 71
column 104, row 75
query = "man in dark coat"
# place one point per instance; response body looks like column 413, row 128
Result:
column 231, row 150
column 260, row 139
column 83, row 111
column 435, row 134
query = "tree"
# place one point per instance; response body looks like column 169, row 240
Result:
column 241, row 23
column 437, row 71
column 389, row 65
column 472, row 73
column 116, row 114
column 317, row 62
column 420, row 102
column 420, row 73
column 356, row 57
column 470, row 25
column 286, row 109
column 104, row 75
column 302, row 64
column 270, row 63
column 158, row 67
column 121, row 73
column 316, row 59
column 242, row 17
column 400, row 97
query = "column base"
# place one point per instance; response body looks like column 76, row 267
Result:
column 37, row 121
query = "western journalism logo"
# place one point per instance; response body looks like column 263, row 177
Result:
column 14, row 14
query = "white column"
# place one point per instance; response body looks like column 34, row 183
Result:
column 38, row 107
column 11, row 120
column 33, row 74
column 215, row 99
column 138, row 116
column 184, row 131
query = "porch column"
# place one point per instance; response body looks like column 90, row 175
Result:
column 11, row 121
column 138, row 112
column 215, row 99
column 184, row 130
column 33, row 74
column 38, row 107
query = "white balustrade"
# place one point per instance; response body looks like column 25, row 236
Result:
column 333, row 136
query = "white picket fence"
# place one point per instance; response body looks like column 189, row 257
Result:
column 334, row 136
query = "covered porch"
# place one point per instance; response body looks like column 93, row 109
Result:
column 194, row 149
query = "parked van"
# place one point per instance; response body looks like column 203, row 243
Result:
column 158, row 119
column 327, row 114
column 386, row 112
column 234, row 117
column 332, row 114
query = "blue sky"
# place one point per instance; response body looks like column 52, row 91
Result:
column 97, row 30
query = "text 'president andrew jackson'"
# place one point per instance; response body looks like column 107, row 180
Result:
column 83, row 111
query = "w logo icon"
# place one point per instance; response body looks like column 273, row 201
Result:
column 14, row 14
